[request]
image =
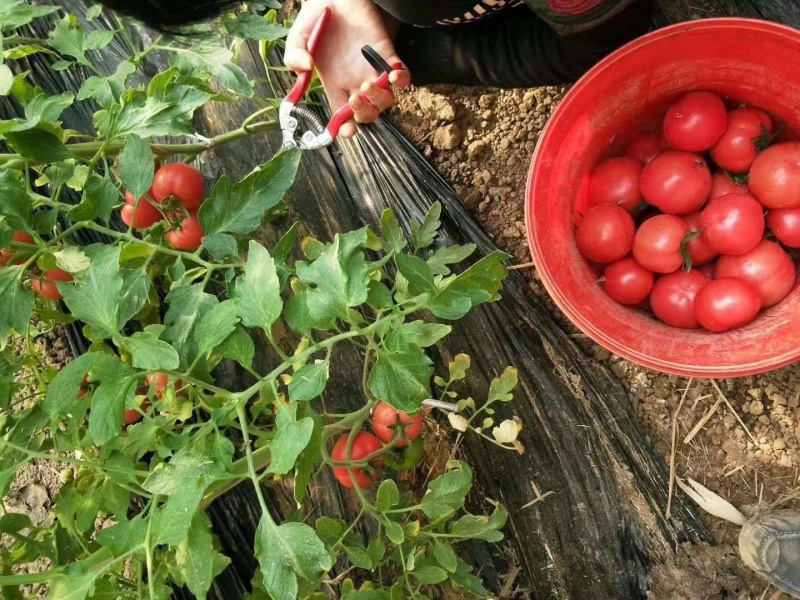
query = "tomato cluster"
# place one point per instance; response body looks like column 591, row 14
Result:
column 176, row 195
column 390, row 426
column 677, row 222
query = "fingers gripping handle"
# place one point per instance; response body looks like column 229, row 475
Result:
column 344, row 114
column 304, row 79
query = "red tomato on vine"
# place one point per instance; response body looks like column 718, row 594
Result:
column 363, row 445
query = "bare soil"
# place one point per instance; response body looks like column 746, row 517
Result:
column 741, row 441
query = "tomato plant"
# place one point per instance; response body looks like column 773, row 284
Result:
column 784, row 223
column 658, row 241
column 155, row 435
column 673, row 296
column 733, row 224
column 695, row 122
column 388, row 424
column 725, row 304
column 766, row 267
column 605, row 234
column 616, row 181
column 627, row 282
column 677, row 183
column 774, row 176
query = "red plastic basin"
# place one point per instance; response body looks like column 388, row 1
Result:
column 743, row 60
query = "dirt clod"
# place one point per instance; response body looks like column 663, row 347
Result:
column 447, row 137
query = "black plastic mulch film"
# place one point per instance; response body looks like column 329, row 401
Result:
column 580, row 433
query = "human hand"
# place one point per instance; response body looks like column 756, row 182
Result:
column 344, row 72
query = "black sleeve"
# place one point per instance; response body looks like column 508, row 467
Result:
column 513, row 49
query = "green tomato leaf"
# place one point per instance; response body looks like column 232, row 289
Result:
column 108, row 406
column 72, row 259
column 165, row 109
column 123, row 536
column 309, row 382
column 69, row 39
column 401, row 379
column 258, row 290
column 187, row 305
column 136, row 286
column 136, row 167
column 47, row 108
column 95, row 298
column 62, row 393
column 388, row 496
column 423, row 235
column 339, row 277
column 99, row 199
column 76, row 585
column 220, row 245
column 358, row 556
column 240, row 207
column 16, row 202
column 478, row 284
column 376, row 551
column 254, row 27
column 150, row 353
column 287, row 445
column 283, row 250
column 286, row 553
column 216, row 325
column 430, row 575
column 196, row 558
column 418, row 333
column 98, row 39
column 16, row 13
column 239, row 346
column 307, row 462
column 394, row 239
column 6, row 80
column 107, row 91
column 417, row 272
column 185, row 470
column 38, row 146
column 464, row 578
column 330, row 530
column 446, row 493
column 215, row 61
column 298, row 316
column 445, row 556
column 449, row 255
column 17, row 302
column 379, row 296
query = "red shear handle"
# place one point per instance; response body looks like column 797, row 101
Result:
column 304, row 79
column 344, row 114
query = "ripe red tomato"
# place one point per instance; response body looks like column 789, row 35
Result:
column 21, row 237
column 132, row 415
column 784, row 223
column 158, row 381
column 775, row 174
column 141, row 217
column 181, row 181
column 387, row 422
column 736, row 150
column 695, row 122
column 188, row 235
column 46, row 287
column 646, row 146
column 605, row 234
column 722, row 185
column 725, row 304
column 700, row 251
column 766, row 267
column 657, row 244
column 616, row 181
column 677, row 183
column 673, row 296
column 734, row 224
column 627, row 282
column 363, row 445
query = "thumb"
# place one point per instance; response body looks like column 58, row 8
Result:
column 296, row 56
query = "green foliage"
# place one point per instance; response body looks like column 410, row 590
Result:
column 152, row 435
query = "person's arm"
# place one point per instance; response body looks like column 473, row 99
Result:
column 513, row 49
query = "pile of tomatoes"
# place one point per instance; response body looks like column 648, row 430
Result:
column 390, row 427
column 677, row 223
column 177, row 193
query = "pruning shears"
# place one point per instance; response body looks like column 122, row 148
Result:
column 322, row 135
